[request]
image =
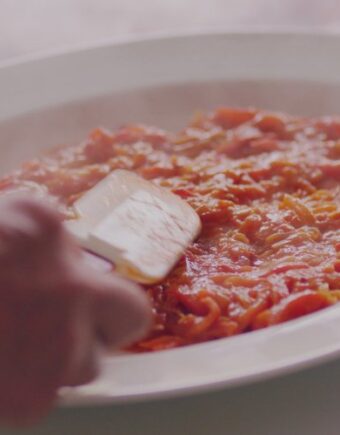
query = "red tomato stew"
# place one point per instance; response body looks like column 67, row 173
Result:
column 266, row 187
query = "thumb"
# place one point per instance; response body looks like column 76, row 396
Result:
column 122, row 311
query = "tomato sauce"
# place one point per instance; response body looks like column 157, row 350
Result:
column 266, row 187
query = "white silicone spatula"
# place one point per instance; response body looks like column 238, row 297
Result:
column 142, row 228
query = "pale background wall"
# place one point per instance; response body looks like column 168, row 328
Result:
column 31, row 25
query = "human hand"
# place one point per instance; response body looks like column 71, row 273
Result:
column 55, row 311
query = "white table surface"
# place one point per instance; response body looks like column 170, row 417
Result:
column 306, row 403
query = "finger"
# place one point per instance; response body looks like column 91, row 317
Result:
column 83, row 365
column 86, row 369
column 43, row 213
column 122, row 311
column 27, row 222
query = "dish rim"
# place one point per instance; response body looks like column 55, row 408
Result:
column 71, row 49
